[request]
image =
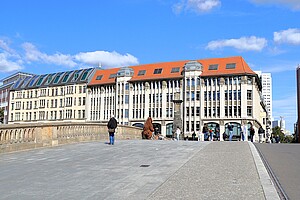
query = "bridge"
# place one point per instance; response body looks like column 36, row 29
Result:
column 16, row 137
column 130, row 169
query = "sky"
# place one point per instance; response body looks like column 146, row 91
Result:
column 48, row 36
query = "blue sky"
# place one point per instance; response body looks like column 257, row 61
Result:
column 49, row 36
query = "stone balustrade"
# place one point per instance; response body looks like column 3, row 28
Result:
column 16, row 137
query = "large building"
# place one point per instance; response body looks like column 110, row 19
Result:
column 50, row 97
column 214, row 91
column 5, row 86
column 266, row 81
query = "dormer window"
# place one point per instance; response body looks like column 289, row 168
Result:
column 175, row 69
column 98, row 78
column 142, row 73
column 230, row 66
column 213, row 67
column 157, row 71
column 112, row 76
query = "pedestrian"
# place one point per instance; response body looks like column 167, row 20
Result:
column 252, row 132
column 205, row 131
column 178, row 132
column 230, row 129
column 211, row 134
column 244, row 132
column 194, row 136
column 111, row 126
column 217, row 131
column 148, row 129
column 261, row 132
column 199, row 135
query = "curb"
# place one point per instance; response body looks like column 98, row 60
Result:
column 265, row 180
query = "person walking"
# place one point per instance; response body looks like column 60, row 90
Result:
column 111, row 126
column 244, row 132
column 252, row 132
column 261, row 133
column 178, row 132
column 199, row 135
column 230, row 129
column 211, row 134
column 205, row 131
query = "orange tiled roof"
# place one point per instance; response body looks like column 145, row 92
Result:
column 240, row 68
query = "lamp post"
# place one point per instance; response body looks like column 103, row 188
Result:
column 177, row 121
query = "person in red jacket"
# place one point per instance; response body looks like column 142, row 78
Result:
column 148, row 129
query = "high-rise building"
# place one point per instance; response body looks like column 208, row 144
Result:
column 266, row 81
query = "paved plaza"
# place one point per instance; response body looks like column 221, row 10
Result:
column 136, row 169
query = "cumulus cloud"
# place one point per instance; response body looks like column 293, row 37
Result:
column 33, row 54
column 198, row 6
column 8, row 64
column 108, row 59
column 14, row 59
column 289, row 36
column 244, row 44
column 9, row 59
column 293, row 4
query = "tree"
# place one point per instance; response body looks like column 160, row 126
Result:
column 277, row 132
column 1, row 115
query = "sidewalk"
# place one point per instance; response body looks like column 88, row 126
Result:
column 134, row 169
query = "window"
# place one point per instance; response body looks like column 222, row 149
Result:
column 230, row 66
column 40, row 80
column 249, row 94
column 98, row 78
column 66, row 77
column 126, row 99
column 157, row 71
column 84, row 76
column 142, row 72
column 175, row 70
column 249, row 110
column 213, row 67
column 75, row 76
column 112, row 76
column 57, row 78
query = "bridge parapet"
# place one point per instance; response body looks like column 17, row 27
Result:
column 16, row 137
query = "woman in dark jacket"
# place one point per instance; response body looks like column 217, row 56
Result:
column 112, row 125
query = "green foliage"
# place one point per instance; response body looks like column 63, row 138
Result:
column 277, row 132
column 282, row 138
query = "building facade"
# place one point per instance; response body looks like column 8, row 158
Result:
column 266, row 81
column 50, row 97
column 5, row 86
column 214, row 91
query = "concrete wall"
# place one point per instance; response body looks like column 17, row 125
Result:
column 16, row 137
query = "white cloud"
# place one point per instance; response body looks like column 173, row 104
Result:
column 244, row 44
column 198, row 6
column 4, row 46
column 14, row 59
column 108, row 59
column 293, row 4
column 8, row 65
column 33, row 54
column 9, row 59
column 289, row 36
